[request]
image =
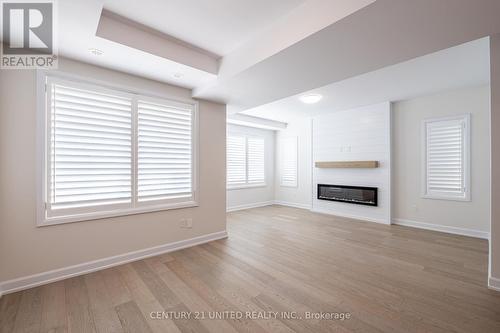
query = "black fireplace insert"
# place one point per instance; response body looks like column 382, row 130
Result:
column 358, row 195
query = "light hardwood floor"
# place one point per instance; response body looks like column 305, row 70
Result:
column 388, row 278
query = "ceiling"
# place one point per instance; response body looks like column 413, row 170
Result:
column 460, row 66
column 381, row 34
column 262, row 51
column 218, row 26
column 243, row 31
column 76, row 32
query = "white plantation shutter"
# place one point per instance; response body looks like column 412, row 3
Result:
column 255, row 152
column 90, row 148
column 289, row 162
column 447, row 158
column 164, row 168
column 245, row 160
column 111, row 153
column 236, row 160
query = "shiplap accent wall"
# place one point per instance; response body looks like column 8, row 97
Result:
column 354, row 135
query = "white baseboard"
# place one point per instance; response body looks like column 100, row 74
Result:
column 354, row 217
column 292, row 204
column 35, row 280
column 442, row 228
column 248, row 206
column 494, row 283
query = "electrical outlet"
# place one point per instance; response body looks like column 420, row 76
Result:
column 186, row 223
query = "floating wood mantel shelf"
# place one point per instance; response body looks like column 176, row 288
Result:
column 348, row 164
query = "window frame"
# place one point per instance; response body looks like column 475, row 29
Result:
column 44, row 79
column 246, row 184
column 466, row 118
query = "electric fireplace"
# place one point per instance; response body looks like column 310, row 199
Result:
column 358, row 195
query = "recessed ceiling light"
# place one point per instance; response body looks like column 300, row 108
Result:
column 178, row 75
column 95, row 51
column 310, row 98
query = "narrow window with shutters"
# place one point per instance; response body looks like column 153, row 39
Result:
column 255, row 151
column 111, row 153
column 236, row 160
column 289, row 162
column 164, row 151
column 447, row 158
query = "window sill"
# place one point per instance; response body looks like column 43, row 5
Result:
column 443, row 197
column 113, row 213
column 245, row 186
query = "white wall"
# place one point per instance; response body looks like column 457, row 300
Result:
column 299, row 196
column 26, row 249
column 254, row 196
column 408, row 205
column 362, row 134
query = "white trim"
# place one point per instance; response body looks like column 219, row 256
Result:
column 466, row 118
column 255, row 122
column 63, row 75
column 135, row 150
column 442, row 228
column 39, row 279
column 98, row 215
column 293, row 204
column 41, row 142
column 349, row 216
column 494, row 283
column 248, row 206
column 268, row 203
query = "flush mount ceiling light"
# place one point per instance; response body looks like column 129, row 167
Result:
column 95, row 51
column 310, row 98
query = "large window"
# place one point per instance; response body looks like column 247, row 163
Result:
column 446, row 158
column 109, row 152
column 245, row 161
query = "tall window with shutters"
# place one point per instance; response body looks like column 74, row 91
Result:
column 446, row 156
column 289, row 162
column 236, row 160
column 255, row 160
column 245, row 161
column 164, row 151
column 110, row 152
